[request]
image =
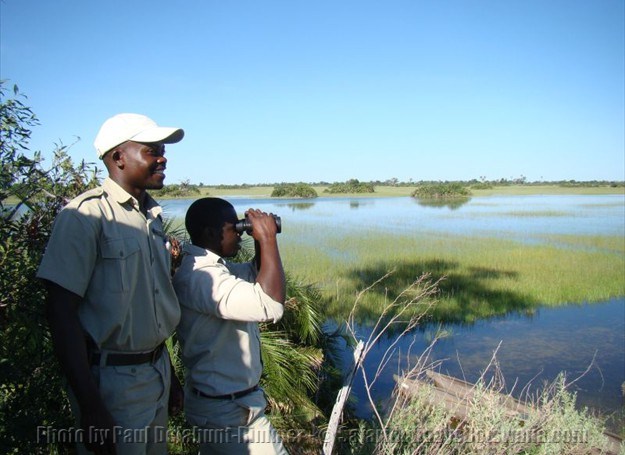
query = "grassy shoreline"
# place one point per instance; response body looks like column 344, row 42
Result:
column 402, row 191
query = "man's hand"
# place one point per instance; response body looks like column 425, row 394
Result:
column 263, row 224
column 98, row 430
column 270, row 274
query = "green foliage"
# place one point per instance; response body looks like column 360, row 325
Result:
column 31, row 196
column 441, row 191
column 482, row 186
column 185, row 189
column 590, row 184
column 351, row 186
column 302, row 190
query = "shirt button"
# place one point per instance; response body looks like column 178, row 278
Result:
column 121, row 254
column 156, row 291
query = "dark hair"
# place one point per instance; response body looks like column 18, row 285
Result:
column 208, row 212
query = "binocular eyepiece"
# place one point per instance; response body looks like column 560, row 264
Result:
column 244, row 225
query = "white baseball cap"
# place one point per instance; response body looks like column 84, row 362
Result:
column 133, row 127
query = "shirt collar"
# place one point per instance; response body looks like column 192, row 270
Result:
column 121, row 196
column 197, row 251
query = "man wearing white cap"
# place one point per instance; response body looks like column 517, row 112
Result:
column 111, row 305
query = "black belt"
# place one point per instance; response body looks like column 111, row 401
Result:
column 128, row 358
column 228, row 396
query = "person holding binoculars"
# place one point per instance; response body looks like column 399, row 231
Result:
column 222, row 304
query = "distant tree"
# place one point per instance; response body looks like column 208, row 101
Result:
column 181, row 190
column 445, row 190
column 300, row 190
column 351, row 186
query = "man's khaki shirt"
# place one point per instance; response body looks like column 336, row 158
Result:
column 105, row 250
column 221, row 307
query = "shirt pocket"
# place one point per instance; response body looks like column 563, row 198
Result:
column 120, row 259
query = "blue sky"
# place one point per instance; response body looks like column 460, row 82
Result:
column 288, row 90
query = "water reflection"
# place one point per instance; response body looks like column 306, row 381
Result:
column 297, row 205
column 452, row 204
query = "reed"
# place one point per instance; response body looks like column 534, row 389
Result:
column 482, row 277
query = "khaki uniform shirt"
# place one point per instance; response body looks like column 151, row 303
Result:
column 221, row 307
column 105, row 250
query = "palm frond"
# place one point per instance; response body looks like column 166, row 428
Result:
column 290, row 373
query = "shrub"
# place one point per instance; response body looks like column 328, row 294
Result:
column 184, row 189
column 351, row 186
column 30, row 198
column 302, row 190
column 441, row 191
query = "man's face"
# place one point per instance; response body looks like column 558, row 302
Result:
column 230, row 238
column 144, row 165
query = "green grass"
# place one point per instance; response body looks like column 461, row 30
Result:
column 529, row 214
column 483, row 276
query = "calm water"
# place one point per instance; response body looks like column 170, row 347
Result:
column 533, row 348
column 530, row 350
column 517, row 217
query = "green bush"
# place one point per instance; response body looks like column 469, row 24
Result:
column 441, row 191
column 184, row 189
column 31, row 396
column 351, row 186
column 302, row 190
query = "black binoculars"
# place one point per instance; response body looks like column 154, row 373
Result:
column 244, row 225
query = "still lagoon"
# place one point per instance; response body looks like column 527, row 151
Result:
column 584, row 339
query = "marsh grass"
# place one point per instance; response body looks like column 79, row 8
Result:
column 550, row 422
column 614, row 244
column 532, row 214
column 484, row 277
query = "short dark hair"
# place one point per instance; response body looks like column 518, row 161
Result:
column 208, row 212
